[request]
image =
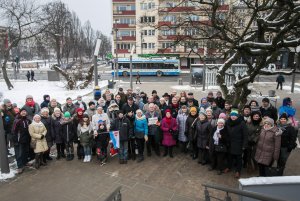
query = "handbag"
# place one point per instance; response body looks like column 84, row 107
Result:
column 33, row 144
column 274, row 171
column 220, row 148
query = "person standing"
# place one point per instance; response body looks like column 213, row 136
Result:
column 32, row 108
column 101, row 137
column 268, row 146
column 168, row 127
column 21, row 139
column 8, row 115
column 80, row 104
column 287, row 107
column 181, row 122
column 57, row 134
column 267, row 109
column 141, row 133
column 38, row 131
column 280, row 80
column 138, row 78
column 85, row 134
column 69, row 107
column 28, row 76
column 46, row 120
column 190, row 127
column 68, row 133
column 32, row 75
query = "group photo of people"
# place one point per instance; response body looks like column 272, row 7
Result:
column 209, row 131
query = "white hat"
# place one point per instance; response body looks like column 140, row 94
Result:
column 57, row 109
column 221, row 121
column 45, row 109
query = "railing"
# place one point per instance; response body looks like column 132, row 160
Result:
column 228, row 190
column 115, row 195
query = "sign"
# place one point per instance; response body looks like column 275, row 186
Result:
column 196, row 75
column 115, row 138
column 152, row 121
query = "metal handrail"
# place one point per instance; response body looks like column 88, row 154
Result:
column 245, row 193
column 113, row 195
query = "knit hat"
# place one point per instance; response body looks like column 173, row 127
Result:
column 168, row 110
column 222, row 116
column 29, row 96
column 56, row 109
column 100, row 121
column 234, row 113
column 22, row 109
column 14, row 105
column 67, row 115
column 91, row 103
column 208, row 109
column 35, row 116
column 69, row 98
column 202, row 113
column 6, row 101
column 221, row 121
column 193, row 109
column 44, row 109
column 269, row 120
column 283, row 115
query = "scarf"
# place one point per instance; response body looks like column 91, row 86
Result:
column 30, row 104
column 216, row 137
column 140, row 118
column 168, row 120
column 176, row 105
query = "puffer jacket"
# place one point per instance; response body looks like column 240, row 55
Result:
column 253, row 132
column 268, row 146
column 20, row 130
column 85, row 134
column 203, row 131
column 36, row 131
column 181, row 122
column 121, row 125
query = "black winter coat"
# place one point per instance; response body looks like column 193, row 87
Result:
column 238, row 135
column 131, row 126
column 47, row 123
column 20, row 130
column 189, row 129
column 77, row 105
column 69, row 108
column 68, row 131
column 220, row 102
column 288, row 137
column 121, row 125
column 203, row 131
column 163, row 109
column 126, row 108
column 56, row 130
column 271, row 112
column 222, row 141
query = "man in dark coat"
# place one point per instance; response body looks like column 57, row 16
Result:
column 32, row 75
column 8, row 117
column 220, row 100
column 122, row 124
column 238, row 140
column 191, row 96
column 46, row 101
column 69, row 107
column 80, row 104
column 267, row 109
column 279, row 80
column 129, row 106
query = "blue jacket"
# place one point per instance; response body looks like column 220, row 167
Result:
column 141, row 125
column 290, row 111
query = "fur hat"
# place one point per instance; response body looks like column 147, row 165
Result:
column 57, row 109
column 6, row 101
column 29, row 96
column 269, row 120
column 44, row 109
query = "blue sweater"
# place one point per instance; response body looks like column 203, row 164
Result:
column 141, row 125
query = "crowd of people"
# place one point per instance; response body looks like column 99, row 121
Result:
column 211, row 130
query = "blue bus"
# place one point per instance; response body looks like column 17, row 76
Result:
column 155, row 66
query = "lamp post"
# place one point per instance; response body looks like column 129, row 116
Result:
column 116, row 51
column 204, row 68
column 131, row 53
column 97, row 48
column 141, row 42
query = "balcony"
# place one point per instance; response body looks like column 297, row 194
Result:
column 223, row 8
column 178, row 9
column 123, row 51
column 166, row 50
column 174, row 37
column 120, row 26
column 127, row 38
column 160, row 24
column 124, row 12
column 123, row 1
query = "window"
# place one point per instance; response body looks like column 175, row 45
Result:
column 127, row 21
column 168, row 45
column 170, row 4
column 146, row 19
column 192, row 31
column 193, row 18
column 144, row 45
column 123, row 46
column 147, row 6
column 241, row 23
column 169, row 18
column 151, row 32
column 168, row 32
column 143, row 6
column 121, row 8
column 221, row 2
column 151, row 45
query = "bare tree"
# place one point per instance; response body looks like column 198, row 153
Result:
column 254, row 31
column 23, row 21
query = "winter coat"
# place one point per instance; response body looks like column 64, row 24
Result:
column 131, row 126
column 102, row 139
column 253, row 132
column 123, row 126
column 47, row 123
column 288, row 136
column 174, row 110
column 46, row 102
column 140, row 126
column 203, row 131
column 162, row 109
column 90, row 112
column 216, row 111
column 97, row 117
column 280, row 79
column 85, row 134
column 77, row 105
column 153, row 129
column 127, row 108
column 36, row 132
column 181, row 122
column 8, row 118
column 268, row 146
column 56, row 130
column 168, row 139
column 270, row 111
column 190, row 126
column 69, row 108
column 220, row 102
column 289, row 110
column 222, row 141
column 51, row 109
column 31, row 111
column 20, row 130
column 68, row 130
column 238, row 135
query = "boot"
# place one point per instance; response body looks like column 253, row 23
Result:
column 37, row 161
column 43, row 159
column 133, row 156
column 71, row 156
column 171, row 152
column 166, row 152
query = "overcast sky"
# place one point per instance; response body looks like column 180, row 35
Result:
column 97, row 11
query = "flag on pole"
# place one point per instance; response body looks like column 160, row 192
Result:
column 115, row 138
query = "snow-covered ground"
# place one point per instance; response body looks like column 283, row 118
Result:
column 40, row 88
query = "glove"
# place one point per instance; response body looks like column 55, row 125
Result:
column 146, row 138
column 42, row 137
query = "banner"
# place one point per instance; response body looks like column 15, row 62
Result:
column 115, row 138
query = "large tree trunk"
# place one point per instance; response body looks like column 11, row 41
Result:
column 7, row 81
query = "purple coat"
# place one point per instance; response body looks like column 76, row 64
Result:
column 167, row 136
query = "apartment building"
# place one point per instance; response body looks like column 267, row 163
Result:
column 169, row 28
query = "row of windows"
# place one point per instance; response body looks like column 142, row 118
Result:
column 126, row 33
column 168, row 32
column 147, row 6
column 125, row 7
column 124, row 46
column 148, row 66
column 148, row 45
column 150, row 32
column 126, row 20
column 146, row 19
column 173, row 18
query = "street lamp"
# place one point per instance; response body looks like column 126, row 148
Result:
column 97, row 48
column 116, row 50
column 131, row 53
column 204, row 68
